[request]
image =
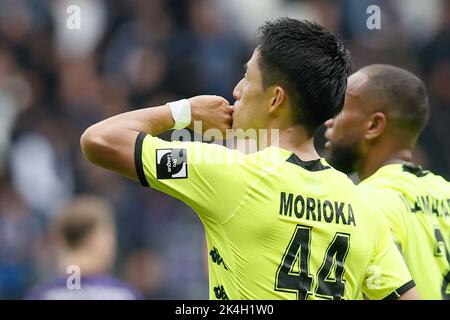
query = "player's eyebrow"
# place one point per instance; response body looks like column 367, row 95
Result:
column 245, row 66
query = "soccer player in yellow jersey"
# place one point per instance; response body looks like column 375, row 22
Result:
column 280, row 223
column 385, row 110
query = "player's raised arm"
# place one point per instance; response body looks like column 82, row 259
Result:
column 110, row 143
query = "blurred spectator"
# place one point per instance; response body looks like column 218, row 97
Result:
column 435, row 62
column 86, row 235
column 20, row 232
column 41, row 169
column 134, row 57
column 218, row 51
column 73, row 43
column 144, row 270
column 15, row 96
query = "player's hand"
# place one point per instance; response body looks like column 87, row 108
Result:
column 213, row 112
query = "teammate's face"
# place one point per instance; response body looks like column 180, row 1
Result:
column 251, row 106
column 345, row 133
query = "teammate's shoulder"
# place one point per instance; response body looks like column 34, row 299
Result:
column 390, row 178
column 439, row 180
column 382, row 188
column 439, row 186
column 419, row 174
column 403, row 177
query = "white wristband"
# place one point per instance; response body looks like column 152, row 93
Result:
column 181, row 113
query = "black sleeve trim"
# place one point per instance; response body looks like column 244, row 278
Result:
column 138, row 159
column 397, row 293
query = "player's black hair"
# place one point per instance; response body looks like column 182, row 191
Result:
column 403, row 94
column 310, row 63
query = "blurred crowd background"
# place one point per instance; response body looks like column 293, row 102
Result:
column 55, row 82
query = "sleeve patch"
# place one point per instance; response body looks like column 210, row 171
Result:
column 171, row 164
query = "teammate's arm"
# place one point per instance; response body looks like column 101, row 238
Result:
column 411, row 294
column 110, row 143
column 388, row 276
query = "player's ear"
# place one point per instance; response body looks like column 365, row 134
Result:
column 375, row 125
column 278, row 96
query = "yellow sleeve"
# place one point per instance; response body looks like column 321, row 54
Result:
column 387, row 276
column 209, row 178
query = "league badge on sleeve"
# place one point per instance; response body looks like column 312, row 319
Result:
column 171, row 164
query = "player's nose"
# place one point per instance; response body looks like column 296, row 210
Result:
column 237, row 92
column 329, row 123
column 329, row 128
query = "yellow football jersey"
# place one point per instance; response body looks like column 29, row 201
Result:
column 416, row 204
column 277, row 227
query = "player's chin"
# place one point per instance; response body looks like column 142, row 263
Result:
column 329, row 150
column 236, row 124
column 341, row 159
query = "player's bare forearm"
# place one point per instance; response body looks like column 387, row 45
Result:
column 154, row 121
column 110, row 143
